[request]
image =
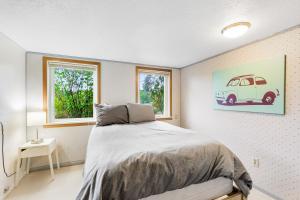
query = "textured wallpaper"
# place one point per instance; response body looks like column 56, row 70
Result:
column 274, row 139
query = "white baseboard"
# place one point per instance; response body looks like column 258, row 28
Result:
column 265, row 194
column 63, row 164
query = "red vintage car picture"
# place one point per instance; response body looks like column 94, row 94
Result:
column 247, row 90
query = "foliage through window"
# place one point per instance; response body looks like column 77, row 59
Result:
column 72, row 90
column 154, row 87
column 73, row 93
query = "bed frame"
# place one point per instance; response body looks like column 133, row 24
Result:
column 234, row 195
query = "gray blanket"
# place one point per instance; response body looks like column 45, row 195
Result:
column 130, row 162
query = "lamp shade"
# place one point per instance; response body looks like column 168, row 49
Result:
column 36, row 118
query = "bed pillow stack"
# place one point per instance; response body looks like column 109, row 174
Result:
column 122, row 114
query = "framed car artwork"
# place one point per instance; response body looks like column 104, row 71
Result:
column 255, row 87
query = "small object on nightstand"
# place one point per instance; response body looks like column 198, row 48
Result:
column 44, row 148
column 37, row 141
column 36, row 119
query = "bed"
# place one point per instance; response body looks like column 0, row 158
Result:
column 159, row 161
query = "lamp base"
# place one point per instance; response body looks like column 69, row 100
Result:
column 38, row 141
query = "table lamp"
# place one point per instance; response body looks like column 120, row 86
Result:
column 36, row 119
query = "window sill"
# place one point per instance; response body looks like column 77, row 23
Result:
column 164, row 118
column 68, row 124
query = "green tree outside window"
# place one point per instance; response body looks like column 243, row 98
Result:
column 152, row 92
column 73, row 93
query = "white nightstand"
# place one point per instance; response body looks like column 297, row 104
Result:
column 29, row 150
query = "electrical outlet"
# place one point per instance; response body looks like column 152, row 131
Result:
column 6, row 189
column 256, row 162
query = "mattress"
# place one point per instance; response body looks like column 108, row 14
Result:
column 211, row 189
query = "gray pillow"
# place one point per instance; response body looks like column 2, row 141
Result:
column 107, row 114
column 140, row 113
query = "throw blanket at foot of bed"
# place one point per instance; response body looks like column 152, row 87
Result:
column 130, row 162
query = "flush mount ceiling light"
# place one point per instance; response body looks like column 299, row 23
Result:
column 236, row 29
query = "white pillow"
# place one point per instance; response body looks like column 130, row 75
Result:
column 140, row 113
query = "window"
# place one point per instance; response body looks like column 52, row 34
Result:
column 154, row 86
column 71, row 87
column 233, row 82
column 247, row 81
column 260, row 81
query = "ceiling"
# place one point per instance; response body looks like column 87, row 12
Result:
column 171, row 33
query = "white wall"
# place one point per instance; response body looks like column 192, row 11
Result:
column 118, row 87
column 12, row 104
column 275, row 139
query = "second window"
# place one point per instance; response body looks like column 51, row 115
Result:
column 154, row 86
